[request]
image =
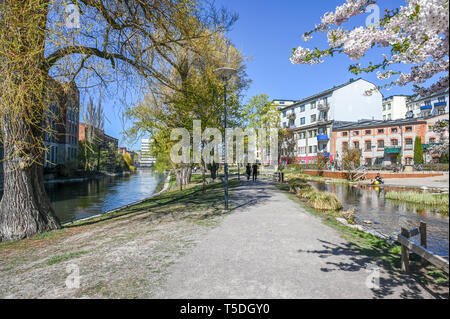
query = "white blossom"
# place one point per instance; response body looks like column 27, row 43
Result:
column 418, row 35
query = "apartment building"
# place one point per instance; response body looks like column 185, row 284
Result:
column 394, row 107
column 145, row 159
column 283, row 103
column 61, row 124
column 431, row 105
column 312, row 118
column 103, row 139
column 381, row 142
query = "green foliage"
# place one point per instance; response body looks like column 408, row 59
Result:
column 418, row 151
column 399, row 157
column 129, row 161
column 421, row 198
column 260, row 112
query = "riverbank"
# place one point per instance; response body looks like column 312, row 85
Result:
column 124, row 254
column 376, row 245
column 49, row 180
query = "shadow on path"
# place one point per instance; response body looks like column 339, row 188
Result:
column 359, row 259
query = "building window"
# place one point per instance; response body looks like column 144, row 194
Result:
column 408, row 129
column 409, row 161
column 368, row 132
column 344, row 133
column 409, row 144
column 380, row 145
column 355, row 133
column 432, row 140
column 394, row 130
column 389, row 106
column 381, row 131
column 356, row 145
column 368, row 146
column 284, row 113
column 394, row 142
column 284, row 124
column 312, row 133
column 313, row 118
column 302, row 108
column 441, row 99
column 384, row 117
column 384, row 107
column 302, row 121
column 313, row 105
column 389, row 117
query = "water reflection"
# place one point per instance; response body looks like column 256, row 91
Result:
column 78, row 200
column 389, row 216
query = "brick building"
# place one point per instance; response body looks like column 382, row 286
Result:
column 103, row 139
column 381, row 142
column 61, row 124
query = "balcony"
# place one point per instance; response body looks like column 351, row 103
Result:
column 323, row 106
column 440, row 104
column 322, row 120
column 291, row 116
column 426, row 107
column 322, row 137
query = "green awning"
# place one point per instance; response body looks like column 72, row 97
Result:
column 393, row 150
column 426, row 146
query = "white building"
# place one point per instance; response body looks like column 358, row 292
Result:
column 394, row 107
column 432, row 105
column 283, row 103
column 145, row 159
column 312, row 118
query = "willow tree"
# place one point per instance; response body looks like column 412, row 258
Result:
column 194, row 92
column 116, row 39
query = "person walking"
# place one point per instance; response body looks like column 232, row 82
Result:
column 248, row 171
column 255, row 171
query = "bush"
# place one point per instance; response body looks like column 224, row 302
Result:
column 325, row 201
column 297, row 183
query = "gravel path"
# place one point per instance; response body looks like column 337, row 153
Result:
column 269, row 247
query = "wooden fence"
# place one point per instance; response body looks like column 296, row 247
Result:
column 421, row 250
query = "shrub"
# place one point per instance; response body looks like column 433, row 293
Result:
column 325, row 201
column 297, row 183
column 348, row 214
column 418, row 151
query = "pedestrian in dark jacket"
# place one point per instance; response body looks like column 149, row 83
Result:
column 248, row 171
column 255, row 171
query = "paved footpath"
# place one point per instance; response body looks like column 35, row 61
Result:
column 269, row 247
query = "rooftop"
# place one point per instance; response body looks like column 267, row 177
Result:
column 326, row 92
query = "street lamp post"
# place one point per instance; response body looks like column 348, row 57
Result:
column 225, row 74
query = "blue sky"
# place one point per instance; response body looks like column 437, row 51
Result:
column 266, row 32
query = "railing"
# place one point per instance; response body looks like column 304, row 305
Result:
column 323, row 106
column 421, row 250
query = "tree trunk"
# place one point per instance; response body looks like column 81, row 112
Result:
column 24, row 208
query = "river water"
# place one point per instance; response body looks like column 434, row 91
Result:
column 388, row 217
column 77, row 200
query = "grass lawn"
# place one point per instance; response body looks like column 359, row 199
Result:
column 125, row 254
